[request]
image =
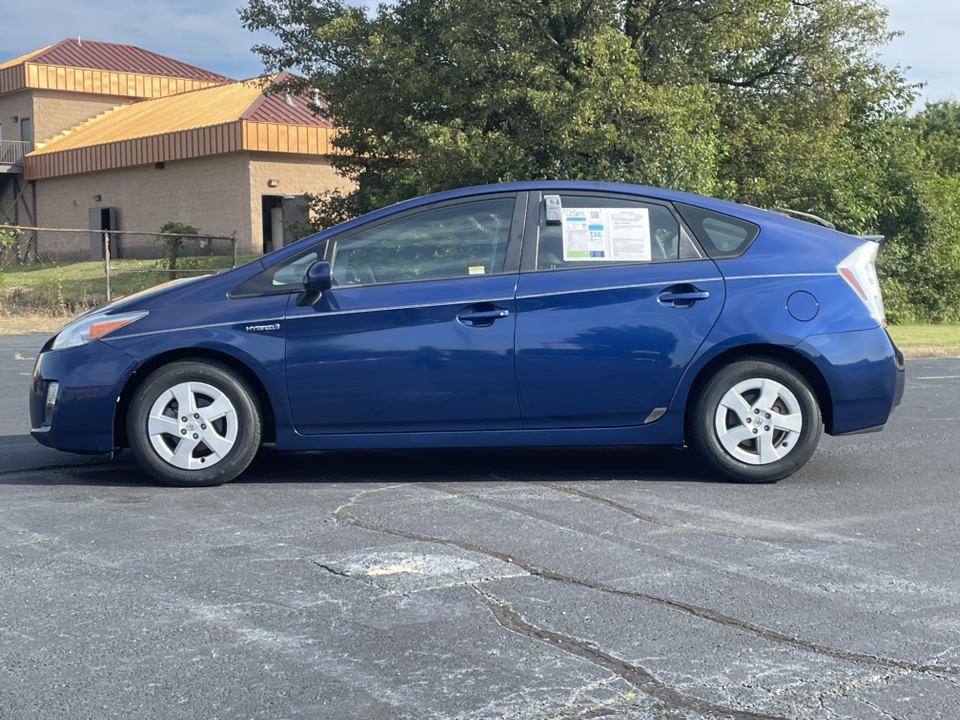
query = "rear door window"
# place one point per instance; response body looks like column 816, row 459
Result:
column 599, row 230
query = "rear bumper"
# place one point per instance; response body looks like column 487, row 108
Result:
column 865, row 375
column 91, row 378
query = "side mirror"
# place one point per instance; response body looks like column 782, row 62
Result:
column 317, row 277
column 316, row 281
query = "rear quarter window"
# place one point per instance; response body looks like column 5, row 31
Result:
column 721, row 236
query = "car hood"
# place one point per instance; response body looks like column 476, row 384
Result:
column 152, row 292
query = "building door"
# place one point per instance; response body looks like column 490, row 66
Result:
column 103, row 219
column 272, row 222
column 280, row 214
column 26, row 129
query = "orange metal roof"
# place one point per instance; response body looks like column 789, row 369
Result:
column 200, row 108
column 112, row 57
column 207, row 107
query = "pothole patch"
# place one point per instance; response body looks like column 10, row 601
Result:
column 412, row 567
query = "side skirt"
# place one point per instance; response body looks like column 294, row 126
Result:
column 668, row 430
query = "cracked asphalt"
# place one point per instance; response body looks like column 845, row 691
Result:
column 534, row 584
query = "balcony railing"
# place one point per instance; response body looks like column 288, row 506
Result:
column 11, row 154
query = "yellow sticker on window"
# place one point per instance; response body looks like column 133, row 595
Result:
column 476, row 270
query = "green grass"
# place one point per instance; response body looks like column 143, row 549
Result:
column 65, row 289
column 926, row 336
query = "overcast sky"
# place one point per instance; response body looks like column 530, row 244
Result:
column 930, row 30
column 207, row 33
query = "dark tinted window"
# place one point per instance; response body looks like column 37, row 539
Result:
column 720, row 235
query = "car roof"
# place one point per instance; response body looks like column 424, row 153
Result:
column 758, row 216
column 586, row 186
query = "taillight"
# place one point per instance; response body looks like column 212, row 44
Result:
column 859, row 269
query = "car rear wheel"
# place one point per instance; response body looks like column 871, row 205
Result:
column 194, row 423
column 756, row 420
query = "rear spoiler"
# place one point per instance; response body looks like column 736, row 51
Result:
column 786, row 212
column 806, row 216
column 820, row 221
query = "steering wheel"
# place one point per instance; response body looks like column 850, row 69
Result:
column 360, row 275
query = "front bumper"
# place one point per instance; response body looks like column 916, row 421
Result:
column 91, row 378
column 865, row 375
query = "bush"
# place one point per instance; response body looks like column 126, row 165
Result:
column 174, row 233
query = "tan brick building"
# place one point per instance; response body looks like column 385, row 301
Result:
column 104, row 136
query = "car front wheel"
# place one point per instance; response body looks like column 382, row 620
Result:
column 194, row 423
column 756, row 420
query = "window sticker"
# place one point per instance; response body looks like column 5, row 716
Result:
column 583, row 232
column 477, row 269
column 607, row 234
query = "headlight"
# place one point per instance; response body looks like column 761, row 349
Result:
column 93, row 326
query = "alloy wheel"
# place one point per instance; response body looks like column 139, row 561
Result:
column 192, row 425
column 758, row 421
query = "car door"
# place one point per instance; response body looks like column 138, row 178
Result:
column 417, row 332
column 613, row 301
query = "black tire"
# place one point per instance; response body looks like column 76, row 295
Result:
column 216, row 451
column 767, row 452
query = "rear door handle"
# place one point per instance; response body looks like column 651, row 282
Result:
column 682, row 296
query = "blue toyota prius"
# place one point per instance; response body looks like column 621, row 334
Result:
column 528, row 314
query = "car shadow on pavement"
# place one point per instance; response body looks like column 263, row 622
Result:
column 24, row 462
column 479, row 465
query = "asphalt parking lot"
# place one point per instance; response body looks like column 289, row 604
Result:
column 529, row 584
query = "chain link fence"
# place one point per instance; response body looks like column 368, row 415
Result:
column 63, row 271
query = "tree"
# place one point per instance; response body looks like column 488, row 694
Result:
column 939, row 127
column 761, row 101
column 920, row 260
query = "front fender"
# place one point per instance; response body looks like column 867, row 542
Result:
column 261, row 353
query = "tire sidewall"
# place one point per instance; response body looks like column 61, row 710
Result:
column 219, row 376
column 704, row 433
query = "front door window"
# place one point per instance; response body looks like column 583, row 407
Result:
column 468, row 239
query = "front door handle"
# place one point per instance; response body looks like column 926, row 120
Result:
column 482, row 315
column 682, row 296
